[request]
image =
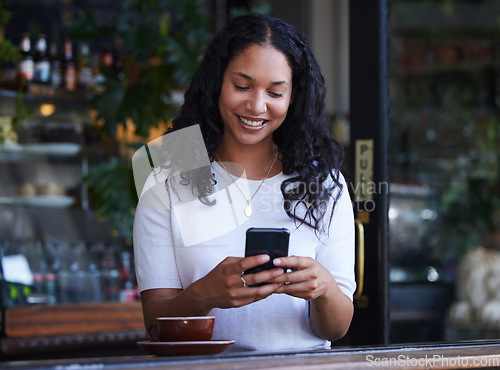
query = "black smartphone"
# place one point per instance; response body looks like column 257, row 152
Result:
column 271, row 241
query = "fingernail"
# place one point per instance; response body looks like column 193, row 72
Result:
column 277, row 262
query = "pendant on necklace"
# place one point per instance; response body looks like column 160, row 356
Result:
column 248, row 210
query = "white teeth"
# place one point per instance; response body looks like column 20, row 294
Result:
column 251, row 123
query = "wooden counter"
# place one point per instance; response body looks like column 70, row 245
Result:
column 71, row 318
column 44, row 329
column 110, row 326
column 484, row 355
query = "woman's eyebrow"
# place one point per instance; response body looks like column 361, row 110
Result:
column 279, row 83
column 245, row 76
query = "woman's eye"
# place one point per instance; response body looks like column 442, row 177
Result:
column 240, row 87
column 276, row 95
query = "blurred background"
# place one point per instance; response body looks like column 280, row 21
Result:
column 85, row 83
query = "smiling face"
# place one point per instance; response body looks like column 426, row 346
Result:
column 255, row 95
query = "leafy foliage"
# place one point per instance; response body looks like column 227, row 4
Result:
column 8, row 51
column 114, row 197
column 11, row 53
column 164, row 39
column 260, row 7
column 473, row 194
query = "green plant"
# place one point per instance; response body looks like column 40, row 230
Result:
column 261, row 7
column 10, row 53
column 113, row 195
column 163, row 41
column 473, row 194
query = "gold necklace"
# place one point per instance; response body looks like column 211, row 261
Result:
column 248, row 209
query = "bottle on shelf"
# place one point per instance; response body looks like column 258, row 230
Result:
column 41, row 59
column 110, row 275
column 38, row 266
column 79, row 273
column 4, row 296
column 103, row 68
column 84, row 69
column 127, row 291
column 118, row 66
column 50, row 287
column 69, row 66
column 55, row 66
column 65, row 283
column 106, row 60
column 26, row 67
column 50, row 279
column 43, row 278
column 94, row 274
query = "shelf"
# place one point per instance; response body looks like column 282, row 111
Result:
column 437, row 68
column 40, row 201
column 49, row 94
column 54, row 149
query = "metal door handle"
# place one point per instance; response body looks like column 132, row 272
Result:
column 360, row 259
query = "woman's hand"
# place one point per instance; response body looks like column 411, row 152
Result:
column 222, row 287
column 226, row 287
column 330, row 310
column 308, row 279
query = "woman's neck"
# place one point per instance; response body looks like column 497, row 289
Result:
column 255, row 160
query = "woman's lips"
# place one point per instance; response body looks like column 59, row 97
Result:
column 257, row 123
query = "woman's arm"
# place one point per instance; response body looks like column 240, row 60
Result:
column 331, row 314
column 330, row 309
column 220, row 288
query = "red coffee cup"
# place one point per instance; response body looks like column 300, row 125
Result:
column 182, row 329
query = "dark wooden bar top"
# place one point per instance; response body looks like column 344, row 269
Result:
column 479, row 354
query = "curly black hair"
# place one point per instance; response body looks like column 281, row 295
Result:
column 307, row 151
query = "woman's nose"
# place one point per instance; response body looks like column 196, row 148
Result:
column 256, row 104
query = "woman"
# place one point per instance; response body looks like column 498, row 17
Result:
column 259, row 100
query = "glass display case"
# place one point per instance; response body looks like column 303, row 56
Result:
column 59, row 261
column 67, row 195
column 47, row 227
column 443, row 159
